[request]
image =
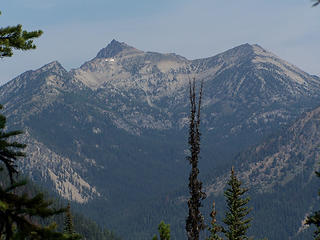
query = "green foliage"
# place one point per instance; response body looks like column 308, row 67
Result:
column 164, row 231
column 9, row 151
column 68, row 225
column 315, row 219
column 13, row 37
column 195, row 221
column 16, row 212
column 237, row 211
column 214, row 229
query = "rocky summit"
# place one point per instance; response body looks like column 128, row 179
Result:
column 114, row 131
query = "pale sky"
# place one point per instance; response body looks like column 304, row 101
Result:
column 75, row 30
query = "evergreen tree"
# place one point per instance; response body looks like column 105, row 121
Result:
column 9, row 151
column 194, row 221
column 214, row 228
column 237, row 212
column 16, row 212
column 68, row 225
column 164, row 231
column 13, row 37
column 315, row 219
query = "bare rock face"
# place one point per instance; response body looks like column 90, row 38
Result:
column 60, row 172
column 107, row 130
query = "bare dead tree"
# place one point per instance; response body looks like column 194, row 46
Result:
column 195, row 220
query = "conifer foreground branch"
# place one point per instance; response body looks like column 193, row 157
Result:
column 13, row 37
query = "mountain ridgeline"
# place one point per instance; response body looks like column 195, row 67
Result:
column 112, row 134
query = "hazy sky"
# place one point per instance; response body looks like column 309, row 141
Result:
column 75, row 30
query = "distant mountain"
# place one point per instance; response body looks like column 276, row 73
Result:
column 112, row 134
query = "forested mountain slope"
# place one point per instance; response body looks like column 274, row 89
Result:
column 281, row 175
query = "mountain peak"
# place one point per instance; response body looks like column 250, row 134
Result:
column 260, row 51
column 253, row 50
column 247, row 48
column 246, row 51
column 53, row 66
column 234, row 55
column 115, row 47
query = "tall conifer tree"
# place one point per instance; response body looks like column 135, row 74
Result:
column 194, row 221
column 236, row 215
